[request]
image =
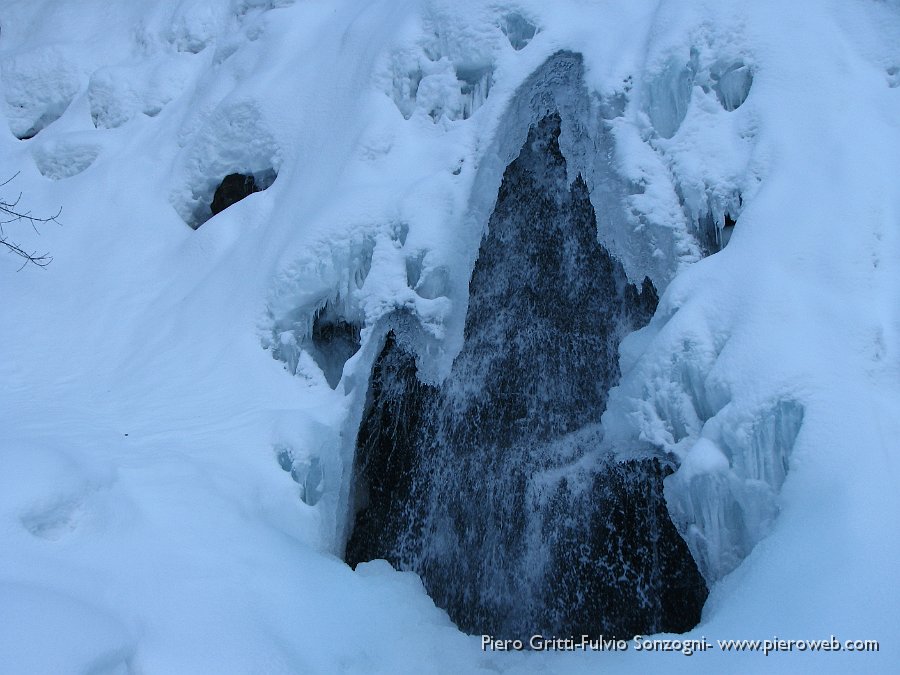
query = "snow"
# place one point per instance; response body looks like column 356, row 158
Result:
column 174, row 499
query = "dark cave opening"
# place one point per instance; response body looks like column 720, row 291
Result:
column 491, row 485
column 231, row 189
column 334, row 340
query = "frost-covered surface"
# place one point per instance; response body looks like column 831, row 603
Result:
column 173, row 499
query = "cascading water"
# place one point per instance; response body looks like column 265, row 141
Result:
column 492, row 486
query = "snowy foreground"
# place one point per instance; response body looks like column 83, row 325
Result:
column 176, row 458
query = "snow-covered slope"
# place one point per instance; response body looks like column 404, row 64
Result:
column 176, row 453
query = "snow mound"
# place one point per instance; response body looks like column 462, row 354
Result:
column 64, row 157
column 117, row 93
column 39, row 84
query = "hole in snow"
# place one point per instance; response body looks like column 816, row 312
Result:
column 414, row 269
column 427, row 282
column 328, row 338
column 714, row 228
column 231, row 189
column 474, row 87
column 893, row 75
column 669, row 94
column 111, row 97
column 316, row 321
column 233, row 139
column 492, row 485
column 45, row 120
column 334, row 341
column 56, row 521
column 732, row 84
column 306, row 472
column 116, row 94
column 443, row 91
column 195, row 26
column 38, row 85
column 405, row 87
column 714, row 235
column 518, row 30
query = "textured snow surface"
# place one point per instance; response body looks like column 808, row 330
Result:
column 180, row 406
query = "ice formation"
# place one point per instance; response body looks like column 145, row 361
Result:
column 724, row 497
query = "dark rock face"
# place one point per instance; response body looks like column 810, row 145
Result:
column 491, row 486
column 233, row 188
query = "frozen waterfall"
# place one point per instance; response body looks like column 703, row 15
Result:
column 492, row 485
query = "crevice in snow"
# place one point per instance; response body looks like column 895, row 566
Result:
column 713, row 214
column 428, row 282
column 715, row 235
column 669, row 91
column 475, row 86
column 329, row 336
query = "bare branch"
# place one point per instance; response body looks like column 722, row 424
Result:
column 11, row 213
column 41, row 260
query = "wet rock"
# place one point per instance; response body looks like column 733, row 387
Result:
column 494, row 486
column 233, row 188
